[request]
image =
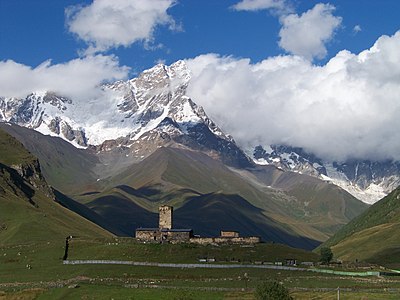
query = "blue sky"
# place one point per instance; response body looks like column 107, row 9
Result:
column 35, row 30
column 266, row 71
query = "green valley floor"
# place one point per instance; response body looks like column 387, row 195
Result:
column 36, row 271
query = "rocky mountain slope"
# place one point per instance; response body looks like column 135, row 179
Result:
column 366, row 180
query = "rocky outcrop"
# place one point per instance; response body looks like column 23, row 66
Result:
column 25, row 180
column 31, row 172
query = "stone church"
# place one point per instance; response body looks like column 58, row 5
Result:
column 165, row 233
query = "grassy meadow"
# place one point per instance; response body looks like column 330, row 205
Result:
column 35, row 271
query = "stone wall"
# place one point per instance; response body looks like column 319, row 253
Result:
column 148, row 235
column 225, row 240
column 179, row 237
column 163, row 236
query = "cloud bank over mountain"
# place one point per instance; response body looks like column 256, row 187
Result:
column 79, row 78
column 347, row 108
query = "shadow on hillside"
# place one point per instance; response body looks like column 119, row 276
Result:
column 215, row 212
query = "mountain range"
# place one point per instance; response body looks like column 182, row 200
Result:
column 144, row 143
column 153, row 110
column 151, row 107
column 366, row 180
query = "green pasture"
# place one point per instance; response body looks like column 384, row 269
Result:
column 35, row 271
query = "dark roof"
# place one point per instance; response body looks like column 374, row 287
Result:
column 176, row 230
column 164, row 230
column 147, row 229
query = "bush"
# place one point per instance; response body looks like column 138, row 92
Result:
column 326, row 255
column 272, row 291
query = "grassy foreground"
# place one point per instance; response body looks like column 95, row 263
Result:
column 35, row 271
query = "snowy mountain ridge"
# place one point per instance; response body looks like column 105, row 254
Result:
column 365, row 180
column 143, row 113
column 129, row 108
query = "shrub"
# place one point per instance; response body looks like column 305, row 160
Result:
column 272, row 291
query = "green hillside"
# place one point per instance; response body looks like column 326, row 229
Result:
column 28, row 208
column 323, row 205
column 12, row 151
column 375, row 233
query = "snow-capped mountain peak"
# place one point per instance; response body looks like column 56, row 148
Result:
column 152, row 104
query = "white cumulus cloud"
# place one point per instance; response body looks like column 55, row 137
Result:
column 107, row 24
column 347, row 108
column 357, row 29
column 280, row 6
column 78, row 79
column 307, row 34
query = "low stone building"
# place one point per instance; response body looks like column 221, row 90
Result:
column 229, row 234
column 164, row 235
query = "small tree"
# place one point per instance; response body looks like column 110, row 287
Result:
column 272, row 291
column 326, row 255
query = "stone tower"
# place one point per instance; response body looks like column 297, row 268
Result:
column 165, row 213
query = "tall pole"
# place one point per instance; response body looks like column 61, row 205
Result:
column 338, row 293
